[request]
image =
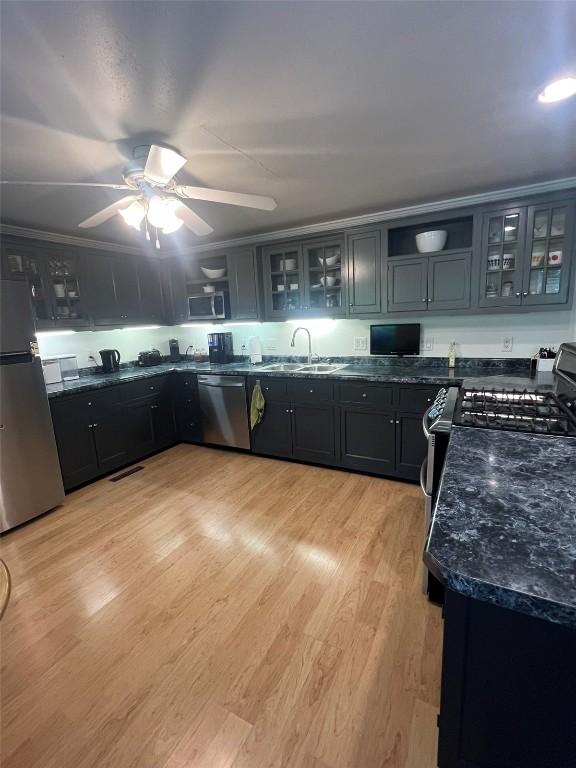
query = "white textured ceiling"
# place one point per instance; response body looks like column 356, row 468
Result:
column 332, row 108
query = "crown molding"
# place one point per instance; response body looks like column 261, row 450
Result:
column 556, row 185
column 54, row 237
column 378, row 217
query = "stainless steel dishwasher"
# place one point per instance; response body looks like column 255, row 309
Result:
column 224, row 410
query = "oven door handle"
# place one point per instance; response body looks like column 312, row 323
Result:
column 423, row 473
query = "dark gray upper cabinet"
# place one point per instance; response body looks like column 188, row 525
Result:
column 151, row 293
column 363, row 248
column 449, row 281
column 243, row 284
column 502, row 257
column 283, row 269
column 126, row 287
column 526, row 255
column 549, row 252
column 436, row 282
column 114, row 294
column 55, row 280
column 325, row 277
column 408, row 284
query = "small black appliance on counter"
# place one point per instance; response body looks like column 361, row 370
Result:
column 220, row 349
column 152, row 357
column 175, row 355
column 110, row 360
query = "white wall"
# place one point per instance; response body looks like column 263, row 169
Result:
column 476, row 336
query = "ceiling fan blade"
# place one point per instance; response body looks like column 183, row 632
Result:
column 108, row 212
column 162, row 164
column 64, row 184
column 192, row 220
column 231, row 198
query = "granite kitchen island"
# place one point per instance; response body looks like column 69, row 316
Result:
column 503, row 541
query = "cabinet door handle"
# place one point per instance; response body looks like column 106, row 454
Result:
column 397, row 421
column 153, row 406
column 89, row 403
column 424, row 300
column 525, row 293
column 518, row 294
column 287, row 410
column 151, row 387
column 428, row 399
column 391, row 421
column 311, row 391
column 364, row 394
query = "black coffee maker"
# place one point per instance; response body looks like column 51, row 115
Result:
column 220, row 348
column 110, row 360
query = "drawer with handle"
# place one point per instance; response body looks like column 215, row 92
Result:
column 274, row 390
column 375, row 395
column 151, row 386
column 414, row 399
column 309, row 390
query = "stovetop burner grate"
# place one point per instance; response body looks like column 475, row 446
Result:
column 517, row 410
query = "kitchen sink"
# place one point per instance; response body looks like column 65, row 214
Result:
column 321, row 368
column 303, row 368
column 283, row 367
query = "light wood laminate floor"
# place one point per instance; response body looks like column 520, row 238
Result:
column 221, row 610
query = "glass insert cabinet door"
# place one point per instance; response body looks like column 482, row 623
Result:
column 64, row 286
column 549, row 245
column 286, row 278
column 27, row 264
column 324, row 263
column 502, row 258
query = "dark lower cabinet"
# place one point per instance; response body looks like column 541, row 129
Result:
column 75, row 443
column 411, row 445
column 273, row 436
column 367, row 440
column 360, row 426
column 314, row 433
column 110, row 441
column 88, row 437
column 508, row 689
column 187, row 417
column 107, row 429
column 138, row 427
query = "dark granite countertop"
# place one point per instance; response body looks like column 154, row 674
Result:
column 504, row 526
column 391, row 374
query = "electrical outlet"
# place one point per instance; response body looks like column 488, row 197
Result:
column 360, row 343
column 428, row 344
column 507, row 342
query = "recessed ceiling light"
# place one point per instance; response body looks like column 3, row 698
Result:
column 558, row 90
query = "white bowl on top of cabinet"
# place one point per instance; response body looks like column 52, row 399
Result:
column 428, row 242
column 213, row 274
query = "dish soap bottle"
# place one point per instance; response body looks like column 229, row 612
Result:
column 452, row 355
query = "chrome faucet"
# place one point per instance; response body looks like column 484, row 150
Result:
column 301, row 328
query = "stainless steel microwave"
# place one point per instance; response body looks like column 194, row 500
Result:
column 208, row 306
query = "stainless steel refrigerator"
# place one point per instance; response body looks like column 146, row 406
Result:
column 30, row 477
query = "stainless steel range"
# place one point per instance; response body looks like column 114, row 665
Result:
column 541, row 411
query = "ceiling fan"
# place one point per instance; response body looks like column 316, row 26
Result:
column 156, row 202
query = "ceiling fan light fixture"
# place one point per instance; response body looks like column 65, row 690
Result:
column 133, row 214
column 173, row 225
column 558, row 90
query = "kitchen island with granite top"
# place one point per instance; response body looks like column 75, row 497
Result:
column 503, row 541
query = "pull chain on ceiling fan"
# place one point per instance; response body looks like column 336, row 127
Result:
column 156, row 199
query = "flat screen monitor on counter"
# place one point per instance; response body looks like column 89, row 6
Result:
column 395, row 339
